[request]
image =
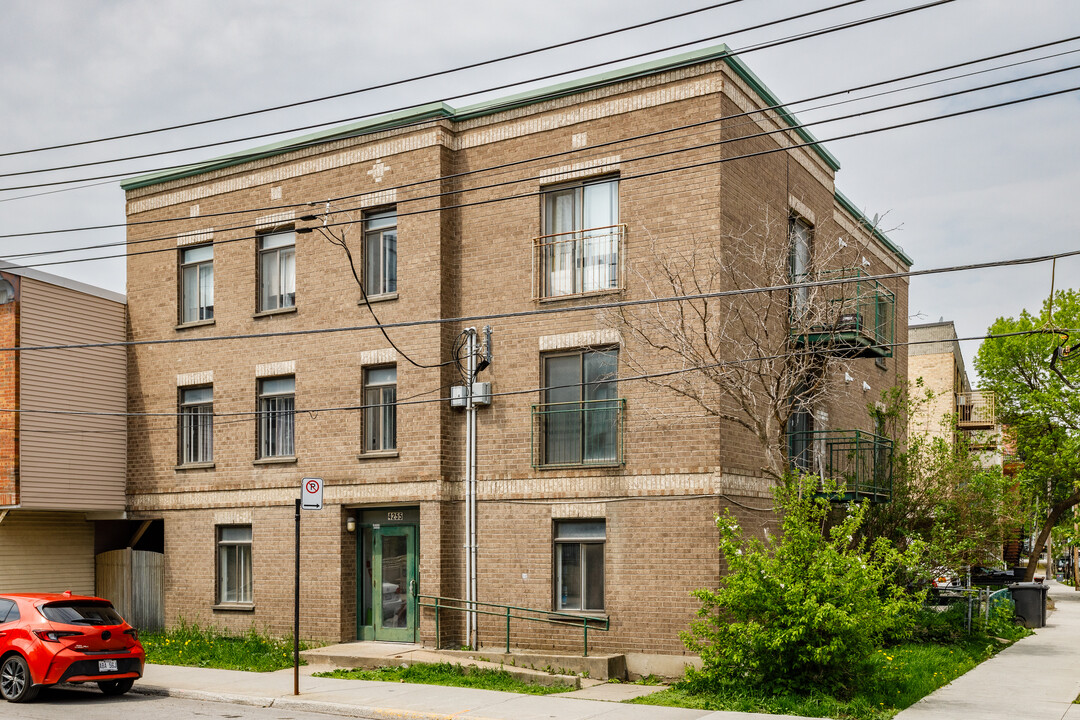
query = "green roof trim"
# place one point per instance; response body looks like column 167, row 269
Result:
column 763, row 91
column 442, row 110
column 862, row 220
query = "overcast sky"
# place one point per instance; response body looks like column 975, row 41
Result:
column 991, row 186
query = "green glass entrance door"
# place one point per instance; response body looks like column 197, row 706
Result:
column 394, row 580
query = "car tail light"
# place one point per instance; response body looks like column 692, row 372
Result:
column 133, row 633
column 55, row 635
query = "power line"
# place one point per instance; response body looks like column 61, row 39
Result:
column 582, row 152
column 518, row 196
column 1031, row 260
column 248, row 414
column 302, row 145
column 379, row 86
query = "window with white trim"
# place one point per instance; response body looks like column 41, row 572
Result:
column 277, row 271
column 234, row 564
column 196, row 283
column 579, row 250
column 579, row 564
column 380, row 408
column 275, row 417
column 196, row 425
column 380, row 253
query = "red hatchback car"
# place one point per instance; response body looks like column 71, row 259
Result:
column 51, row 638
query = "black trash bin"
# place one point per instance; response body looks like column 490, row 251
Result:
column 1030, row 600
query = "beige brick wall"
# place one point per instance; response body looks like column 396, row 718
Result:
column 460, row 260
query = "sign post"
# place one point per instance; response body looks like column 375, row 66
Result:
column 311, row 495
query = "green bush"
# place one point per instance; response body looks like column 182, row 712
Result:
column 806, row 610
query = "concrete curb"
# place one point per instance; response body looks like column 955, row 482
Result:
column 289, row 703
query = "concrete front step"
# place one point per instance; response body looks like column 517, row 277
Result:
column 540, row 668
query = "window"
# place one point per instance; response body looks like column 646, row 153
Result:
column 380, row 409
column 580, row 413
column 800, row 234
column 579, row 565
column 277, row 271
column 579, row 251
column 275, row 417
column 9, row 611
column 234, row 564
column 197, row 284
column 196, row 425
column 380, row 253
column 806, row 433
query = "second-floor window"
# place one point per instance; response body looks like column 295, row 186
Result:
column 196, row 425
column 277, row 271
column 579, row 250
column 380, row 409
column 380, row 253
column 580, row 410
column 276, row 410
column 197, row 283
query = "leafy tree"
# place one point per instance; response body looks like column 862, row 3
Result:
column 803, row 610
column 1039, row 406
column 942, row 495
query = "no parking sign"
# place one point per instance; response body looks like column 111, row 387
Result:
column 311, row 497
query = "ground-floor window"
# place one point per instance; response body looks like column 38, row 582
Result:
column 234, row 564
column 579, row 564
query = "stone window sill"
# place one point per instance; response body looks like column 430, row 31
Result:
column 195, row 466
column 378, row 454
column 278, row 311
column 235, row 607
column 380, row 298
column 276, row 460
column 194, row 324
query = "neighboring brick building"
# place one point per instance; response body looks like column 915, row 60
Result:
column 60, row 474
column 605, row 509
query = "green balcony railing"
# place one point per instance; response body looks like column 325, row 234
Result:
column 578, row 434
column 858, row 462
column 856, row 318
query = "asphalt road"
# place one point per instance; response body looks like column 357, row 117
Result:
column 86, row 704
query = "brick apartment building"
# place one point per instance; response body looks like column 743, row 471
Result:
column 62, row 476
column 596, row 492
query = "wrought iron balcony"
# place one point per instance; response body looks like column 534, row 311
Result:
column 859, row 462
column 579, row 262
column 976, row 410
column 578, row 434
column 856, row 318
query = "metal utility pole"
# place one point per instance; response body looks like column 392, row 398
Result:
column 474, row 364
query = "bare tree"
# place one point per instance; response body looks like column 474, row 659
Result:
column 753, row 359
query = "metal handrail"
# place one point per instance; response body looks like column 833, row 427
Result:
column 570, row 618
column 545, row 245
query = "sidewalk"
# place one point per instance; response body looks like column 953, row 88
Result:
column 383, row 700
column 1038, row 677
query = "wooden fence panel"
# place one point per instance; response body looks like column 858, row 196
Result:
column 134, row 581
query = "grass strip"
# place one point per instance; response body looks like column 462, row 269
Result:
column 451, row 675
column 195, row 646
column 895, row 678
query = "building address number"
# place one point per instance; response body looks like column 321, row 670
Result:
column 394, row 515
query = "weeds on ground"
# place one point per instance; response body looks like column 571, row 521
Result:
column 893, row 678
column 212, row 648
column 447, row 674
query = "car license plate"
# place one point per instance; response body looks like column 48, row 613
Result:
column 106, row 666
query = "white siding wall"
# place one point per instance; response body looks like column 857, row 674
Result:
column 46, row 552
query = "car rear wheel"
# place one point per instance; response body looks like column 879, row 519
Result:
column 16, row 685
column 116, row 687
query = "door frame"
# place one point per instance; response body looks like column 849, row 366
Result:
column 373, row 550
